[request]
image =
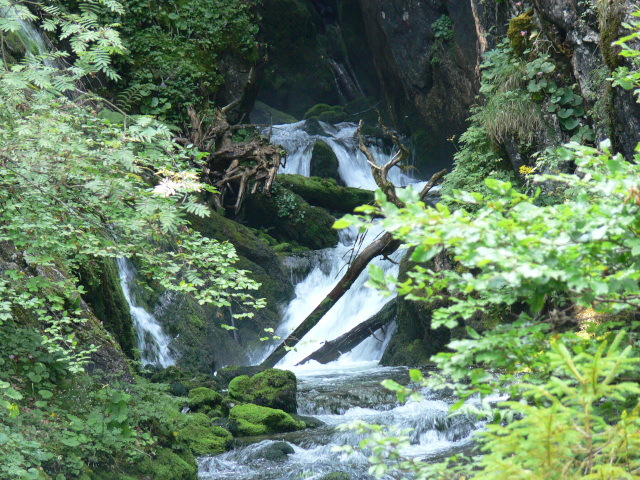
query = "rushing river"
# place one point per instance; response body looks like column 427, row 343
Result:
column 347, row 389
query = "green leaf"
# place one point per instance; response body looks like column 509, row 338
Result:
column 46, row 394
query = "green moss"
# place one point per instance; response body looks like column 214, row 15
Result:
column 203, row 397
column 291, row 219
column 166, row 465
column 272, row 388
column 520, row 29
column 327, row 113
column 204, row 440
column 103, row 293
column 324, row 162
column 252, row 420
column 325, row 193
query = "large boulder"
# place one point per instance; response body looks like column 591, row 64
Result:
column 272, row 388
column 324, row 163
column 290, row 219
column 253, row 420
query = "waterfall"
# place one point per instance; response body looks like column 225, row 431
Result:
column 359, row 303
column 353, row 167
column 153, row 343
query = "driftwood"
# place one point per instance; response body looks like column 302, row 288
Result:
column 330, row 351
column 384, row 246
column 232, row 167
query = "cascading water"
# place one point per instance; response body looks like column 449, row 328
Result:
column 353, row 166
column 153, row 343
column 347, row 389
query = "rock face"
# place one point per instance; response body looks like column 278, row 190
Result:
column 426, row 56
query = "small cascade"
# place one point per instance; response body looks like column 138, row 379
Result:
column 339, row 394
column 353, row 167
column 357, row 305
column 153, row 343
column 34, row 42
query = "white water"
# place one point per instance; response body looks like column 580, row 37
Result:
column 153, row 343
column 353, row 167
column 357, row 305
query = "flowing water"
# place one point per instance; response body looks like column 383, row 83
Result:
column 153, row 343
column 347, row 389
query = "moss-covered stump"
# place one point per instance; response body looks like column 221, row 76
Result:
column 272, row 388
column 325, row 193
column 290, row 219
column 253, row 420
column 324, row 163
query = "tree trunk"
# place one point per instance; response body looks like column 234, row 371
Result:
column 330, row 351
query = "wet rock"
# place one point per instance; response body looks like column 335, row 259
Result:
column 324, row 163
column 204, row 399
column 275, row 451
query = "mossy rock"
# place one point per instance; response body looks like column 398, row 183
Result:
column 520, row 29
column 167, row 465
column 324, row 163
column 203, row 397
column 272, row 388
column 291, row 219
column 205, row 440
column 326, row 193
column 253, row 420
column 265, row 115
column 328, row 114
column 336, row 476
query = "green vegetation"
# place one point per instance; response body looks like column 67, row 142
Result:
column 174, row 52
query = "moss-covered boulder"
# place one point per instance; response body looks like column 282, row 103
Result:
column 290, row 218
column 204, row 439
column 326, row 113
column 337, row 476
column 168, row 465
column 324, row 163
column 272, row 388
column 204, row 399
column 252, row 420
column 325, row 193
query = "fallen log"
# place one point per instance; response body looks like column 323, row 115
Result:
column 330, row 351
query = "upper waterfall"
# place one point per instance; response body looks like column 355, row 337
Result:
column 353, row 167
